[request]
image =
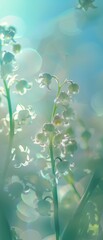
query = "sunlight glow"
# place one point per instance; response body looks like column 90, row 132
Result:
column 30, row 234
column 26, row 213
column 68, row 23
column 29, row 62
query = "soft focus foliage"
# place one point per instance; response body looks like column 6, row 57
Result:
column 52, row 175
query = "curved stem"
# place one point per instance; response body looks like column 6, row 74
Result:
column 58, row 92
column 11, row 133
column 10, row 109
column 55, row 105
column 55, row 194
column 5, row 230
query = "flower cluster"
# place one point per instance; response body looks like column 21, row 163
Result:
column 7, row 33
column 59, row 128
column 7, row 58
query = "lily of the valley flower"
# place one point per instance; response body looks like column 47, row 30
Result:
column 73, row 88
column 41, row 139
column 23, row 116
column 45, row 80
column 22, row 86
column 21, row 156
column 63, row 99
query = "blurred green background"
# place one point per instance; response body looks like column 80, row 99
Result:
column 68, row 43
column 59, row 39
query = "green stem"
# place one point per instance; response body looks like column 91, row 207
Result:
column 11, row 133
column 7, row 95
column 55, row 195
column 58, row 92
column 10, row 110
column 55, row 105
column 5, row 230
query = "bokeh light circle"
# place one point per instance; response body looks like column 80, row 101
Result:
column 29, row 62
column 29, row 198
column 17, row 230
column 26, row 213
column 30, row 234
column 68, row 23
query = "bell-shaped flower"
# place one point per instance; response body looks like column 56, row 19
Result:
column 21, row 156
column 63, row 99
column 71, row 146
column 57, row 121
column 23, row 116
column 58, row 139
column 45, row 80
column 48, row 128
column 8, row 57
column 41, row 139
column 73, row 88
column 22, row 86
column 62, row 167
column 43, row 207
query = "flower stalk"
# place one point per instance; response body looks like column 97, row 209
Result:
column 55, row 194
column 5, row 229
column 11, row 131
column 58, row 92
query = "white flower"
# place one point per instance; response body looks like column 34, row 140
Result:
column 22, row 86
column 23, row 116
column 45, row 80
